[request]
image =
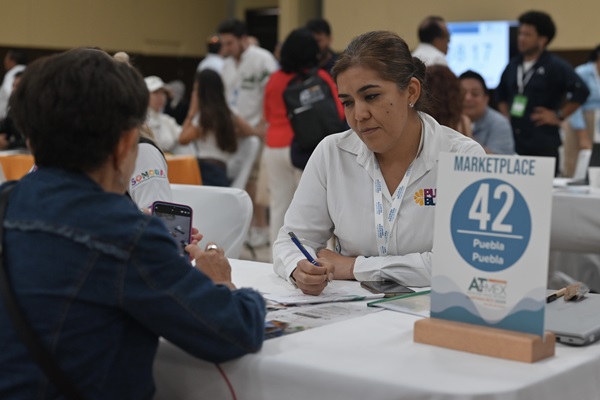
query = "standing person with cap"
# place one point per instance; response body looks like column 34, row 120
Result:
column 164, row 127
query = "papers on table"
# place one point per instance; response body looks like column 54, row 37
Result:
column 295, row 319
column 414, row 303
column 336, row 291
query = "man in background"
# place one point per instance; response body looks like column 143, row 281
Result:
column 435, row 38
column 214, row 57
column 538, row 90
column 246, row 71
column 14, row 62
column 322, row 32
column 490, row 128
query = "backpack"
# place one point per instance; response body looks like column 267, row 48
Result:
column 313, row 114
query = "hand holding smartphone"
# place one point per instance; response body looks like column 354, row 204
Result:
column 178, row 218
column 388, row 288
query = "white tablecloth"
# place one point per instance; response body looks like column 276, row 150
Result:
column 576, row 220
column 371, row 357
column 575, row 236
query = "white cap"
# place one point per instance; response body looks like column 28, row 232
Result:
column 153, row 83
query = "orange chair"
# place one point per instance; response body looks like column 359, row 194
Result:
column 183, row 170
column 16, row 166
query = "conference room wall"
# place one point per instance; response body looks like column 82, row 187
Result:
column 165, row 38
column 576, row 20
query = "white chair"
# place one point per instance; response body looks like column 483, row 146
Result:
column 221, row 214
column 240, row 165
column 583, row 161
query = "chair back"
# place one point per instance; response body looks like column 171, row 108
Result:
column 583, row 161
column 221, row 214
column 240, row 164
column 184, row 169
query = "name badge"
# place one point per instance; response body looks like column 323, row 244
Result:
column 518, row 106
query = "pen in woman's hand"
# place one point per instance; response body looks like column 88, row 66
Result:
column 302, row 249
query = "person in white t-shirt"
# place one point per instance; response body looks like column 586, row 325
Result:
column 434, row 38
column 385, row 165
column 245, row 74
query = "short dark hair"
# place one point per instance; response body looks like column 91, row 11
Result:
column 474, row 75
column 233, row 26
column 388, row 54
column 299, row 51
column 541, row 21
column 319, row 25
column 213, row 44
column 75, row 106
column 431, row 29
column 595, row 54
column 17, row 56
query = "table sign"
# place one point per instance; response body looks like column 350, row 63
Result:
column 491, row 241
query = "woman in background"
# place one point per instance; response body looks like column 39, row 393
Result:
column 299, row 54
column 212, row 128
column 447, row 98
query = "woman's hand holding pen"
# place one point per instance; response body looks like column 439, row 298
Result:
column 344, row 266
column 312, row 279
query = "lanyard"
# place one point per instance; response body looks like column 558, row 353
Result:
column 384, row 226
column 523, row 81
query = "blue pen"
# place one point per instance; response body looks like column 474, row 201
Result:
column 302, row 249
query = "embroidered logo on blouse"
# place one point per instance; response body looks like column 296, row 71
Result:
column 425, row 197
column 144, row 176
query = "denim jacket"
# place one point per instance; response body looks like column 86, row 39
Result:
column 100, row 282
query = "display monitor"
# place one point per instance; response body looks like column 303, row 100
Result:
column 482, row 46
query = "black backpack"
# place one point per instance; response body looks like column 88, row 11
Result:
column 312, row 111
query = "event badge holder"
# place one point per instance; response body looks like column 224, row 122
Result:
column 490, row 257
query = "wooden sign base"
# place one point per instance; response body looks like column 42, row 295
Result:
column 499, row 343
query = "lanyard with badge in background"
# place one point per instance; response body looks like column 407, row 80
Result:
column 520, row 101
column 383, row 226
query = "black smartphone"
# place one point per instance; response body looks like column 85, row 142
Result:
column 178, row 219
column 388, row 288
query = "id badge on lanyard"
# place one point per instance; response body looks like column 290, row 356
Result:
column 385, row 223
column 520, row 101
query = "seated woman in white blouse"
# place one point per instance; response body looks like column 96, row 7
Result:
column 373, row 186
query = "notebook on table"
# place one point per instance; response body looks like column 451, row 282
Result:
column 575, row 322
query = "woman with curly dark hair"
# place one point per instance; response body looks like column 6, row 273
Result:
column 447, row 96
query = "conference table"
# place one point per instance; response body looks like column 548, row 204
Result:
column 369, row 357
column 575, row 234
column 576, row 219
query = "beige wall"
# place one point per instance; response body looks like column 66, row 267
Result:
column 153, row 27
column 242, row 5
column 295, row 13
column 577, row 21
